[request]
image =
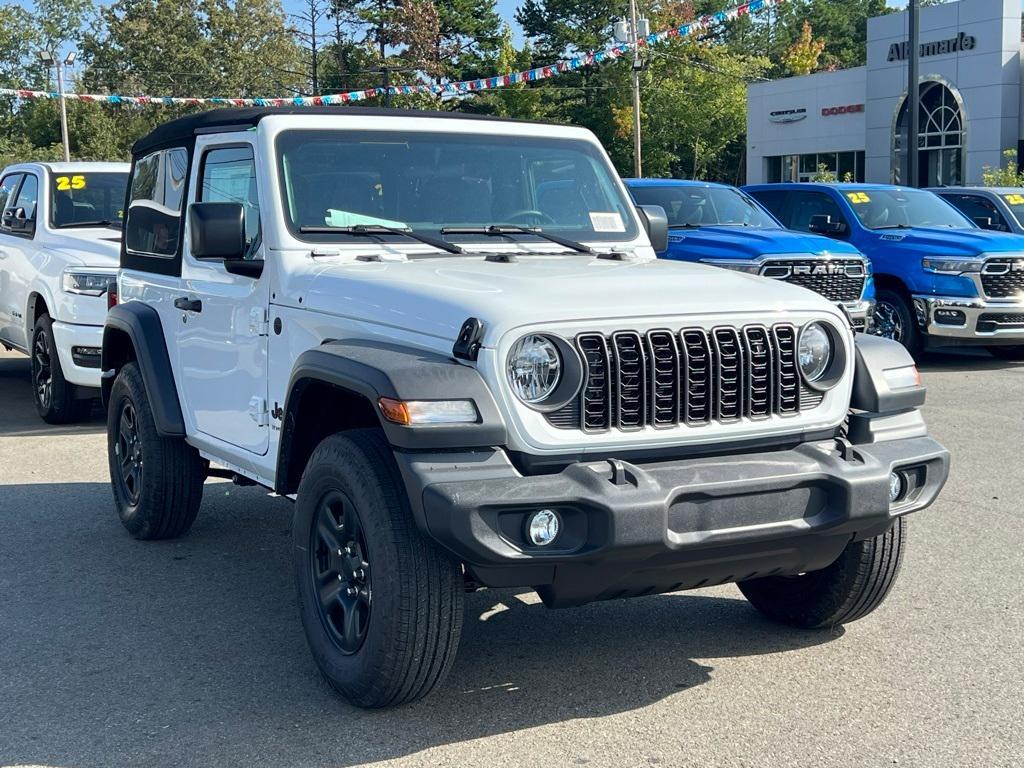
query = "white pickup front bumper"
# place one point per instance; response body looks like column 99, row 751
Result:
column 78, row 347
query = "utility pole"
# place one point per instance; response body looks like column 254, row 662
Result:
column 631, row 32
column 913, row 94
column 48, row 59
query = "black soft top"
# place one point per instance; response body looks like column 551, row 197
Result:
column 183, row 130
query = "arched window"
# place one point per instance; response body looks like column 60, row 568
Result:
column 940, row 141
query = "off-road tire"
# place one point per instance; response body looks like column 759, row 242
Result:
column 164, row 500
column 414, row 614
column 847, row 590
column 1015, row 352
column 53, row 395
column 908, row 334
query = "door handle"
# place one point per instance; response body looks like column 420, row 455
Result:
column 185, row 304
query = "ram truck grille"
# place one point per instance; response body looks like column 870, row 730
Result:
column 838, row 280
column 664, row 378
column 1003, row 278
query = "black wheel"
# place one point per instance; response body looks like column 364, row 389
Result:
column 847, row 590
column 157, row 481
column 381, row 605
column 1014, row 352
column 894, row 319
column 53, row 395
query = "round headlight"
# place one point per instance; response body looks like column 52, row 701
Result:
column 534, row 368
column 815, row 351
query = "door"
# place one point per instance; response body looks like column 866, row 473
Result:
column 17, row 231
column 222, row 332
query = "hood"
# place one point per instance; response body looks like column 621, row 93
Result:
column 86, row 247
column 941, row 242
column 750, row 243
column 435, row 296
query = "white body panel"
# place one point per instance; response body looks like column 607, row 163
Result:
column 419, row 297
column 32, row 268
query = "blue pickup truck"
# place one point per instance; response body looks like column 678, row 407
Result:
column 718, row 224
column 940, row 279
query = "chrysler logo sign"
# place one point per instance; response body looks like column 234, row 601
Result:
column 787, row 115
column 962, row 42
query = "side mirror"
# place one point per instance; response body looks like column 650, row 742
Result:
column 217, row 230
column 656, row 223
column 822, row 224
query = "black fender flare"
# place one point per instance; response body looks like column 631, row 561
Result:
column 141, row 324
column 874, row 355
column 382, row 369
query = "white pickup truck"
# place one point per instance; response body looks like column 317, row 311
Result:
column 59, row 245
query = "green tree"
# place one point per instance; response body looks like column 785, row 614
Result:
column 802, row 57
column 1008, row 175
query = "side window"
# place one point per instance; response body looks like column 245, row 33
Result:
column 229, row 176
column 28, row 197
column 8, row 187
column 774, row 201
column 975, row 207
column 153, row 225
column 806, row 205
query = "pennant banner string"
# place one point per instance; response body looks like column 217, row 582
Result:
column 443, row 89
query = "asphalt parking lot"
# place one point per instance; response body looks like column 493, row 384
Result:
column 189, row 653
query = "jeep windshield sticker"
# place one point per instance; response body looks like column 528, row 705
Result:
column 337, row 218
column 607, row 222
column 858, row 197
column 1015, row 199
column 67, row 183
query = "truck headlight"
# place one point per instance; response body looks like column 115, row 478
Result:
column 86, row 283
column 950, row 266
column 814, row 351
column 534, row 368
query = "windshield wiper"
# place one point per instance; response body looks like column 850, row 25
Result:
column 373, row 230
column 504, row 230
column 83, row 224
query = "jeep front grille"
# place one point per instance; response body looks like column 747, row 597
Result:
column 663, row 378
column 835, row 279
column 1003, row 278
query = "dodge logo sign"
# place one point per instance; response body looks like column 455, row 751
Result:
column 849, row 109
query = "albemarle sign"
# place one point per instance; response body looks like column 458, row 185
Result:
column 962, row 42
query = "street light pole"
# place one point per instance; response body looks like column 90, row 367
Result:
column 637, row 66
column 48, row 59
column 913, row 95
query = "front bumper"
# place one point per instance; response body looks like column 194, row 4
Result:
column 966, row 320
column 632, row 529
column 862, row 314
column 78, row 350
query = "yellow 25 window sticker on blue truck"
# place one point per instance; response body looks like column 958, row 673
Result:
column 67, row 183
column 858, row 197
column 1014, row 199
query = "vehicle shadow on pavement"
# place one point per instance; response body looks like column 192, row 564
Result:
column 190, row 652
column 965, row 361
column 18, row 417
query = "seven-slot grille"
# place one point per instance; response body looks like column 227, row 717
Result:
column 1003, row 278
column 662, row 378
column 835, row 279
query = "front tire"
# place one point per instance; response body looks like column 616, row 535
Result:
column 157, row 481
column 1015, row 352
column 380, row 604
column 847, row 590
column 53, row 395
column 894, row 319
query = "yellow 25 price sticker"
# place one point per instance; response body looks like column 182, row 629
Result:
column 858, row 197
column 1014, row 199
column 67, row 183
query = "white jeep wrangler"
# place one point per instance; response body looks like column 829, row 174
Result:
column 449, row 341
column 59, row 244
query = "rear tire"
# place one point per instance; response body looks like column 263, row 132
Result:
column 847, row 590
column 157, row 481
column 381, row 604
column 1015, row 352
column 894, row 319
column 53, row 395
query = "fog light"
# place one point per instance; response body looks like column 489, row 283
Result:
column 543, row 527
column 950, row 317
column 896, row 485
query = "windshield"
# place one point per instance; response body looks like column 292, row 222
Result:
column 704, row 206
column 87, row 199
column 900, row 208
column 432, row 181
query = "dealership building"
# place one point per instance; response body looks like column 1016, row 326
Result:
column 854, row 121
